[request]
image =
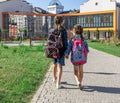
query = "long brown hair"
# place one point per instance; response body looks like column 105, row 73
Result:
column 78, row 30
column 58, row 22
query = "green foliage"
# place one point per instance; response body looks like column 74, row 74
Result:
column 22, row 70
column 88, row 35
column 40, row 48
column 111, row 48
column 6, row 47
column 118, row 44
column 4, row 30
column 97, row 34
column 115, row 39
column 22, row 29
column 1, row 44
column 94, row 40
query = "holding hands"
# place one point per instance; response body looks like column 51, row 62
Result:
column 66, row 56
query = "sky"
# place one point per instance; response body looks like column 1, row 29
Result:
column 68, row 4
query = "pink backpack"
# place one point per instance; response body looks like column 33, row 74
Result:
column 79, row 53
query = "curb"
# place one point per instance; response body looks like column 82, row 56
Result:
column 40, row 88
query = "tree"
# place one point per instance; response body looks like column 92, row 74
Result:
column 97, row 34
column 0, row 35
column 88, row 35
column 3, row 33
column 119, row 35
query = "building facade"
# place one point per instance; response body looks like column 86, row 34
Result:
column 94, row 16
column 29, row 25
column 97, row 18
column 55, row 7
column 97, row 15
column 23, row 20
column 14, row 6
column 10, row 24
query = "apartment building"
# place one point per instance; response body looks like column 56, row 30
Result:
column 102, row 16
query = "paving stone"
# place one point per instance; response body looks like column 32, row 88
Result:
column 101, row 82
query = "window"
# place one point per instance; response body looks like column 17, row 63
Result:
column 99, row 20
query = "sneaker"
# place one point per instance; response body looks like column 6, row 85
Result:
column 78, row 83
column 54, row 80
column 58, row 86
column 81, row 87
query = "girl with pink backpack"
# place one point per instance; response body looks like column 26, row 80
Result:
column 79, row 49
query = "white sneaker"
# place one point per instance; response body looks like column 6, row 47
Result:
column 78, row 84
column 81, row 87
column 58, row 86
column 54, row 80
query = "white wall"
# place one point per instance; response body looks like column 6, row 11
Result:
column 12, row 6
column 90, row 6
column 54, row 9
column 118, row 1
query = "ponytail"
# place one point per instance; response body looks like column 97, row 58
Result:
column 58, row 22
column 78, row 30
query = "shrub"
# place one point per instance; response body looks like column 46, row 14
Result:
column 97, row 34
column 88, row 35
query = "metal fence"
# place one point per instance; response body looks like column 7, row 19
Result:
column 24, row 26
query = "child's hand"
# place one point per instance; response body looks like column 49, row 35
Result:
column 66, row 57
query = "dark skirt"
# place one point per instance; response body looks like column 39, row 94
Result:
column 60, row 61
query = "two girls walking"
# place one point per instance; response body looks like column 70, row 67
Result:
column 77, row 46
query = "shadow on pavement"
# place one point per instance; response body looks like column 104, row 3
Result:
column 103, row 73
column 68, row 86
column 65, row 87
column 102, row 89
column 68, row 83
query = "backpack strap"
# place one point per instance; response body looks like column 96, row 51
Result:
column 57, row 32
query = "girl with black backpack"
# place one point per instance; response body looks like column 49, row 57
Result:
column 59, row 62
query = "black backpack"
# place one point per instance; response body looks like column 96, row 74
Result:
column 54, row 45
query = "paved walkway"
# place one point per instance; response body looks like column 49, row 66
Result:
column 23, row 43
column 101, row 82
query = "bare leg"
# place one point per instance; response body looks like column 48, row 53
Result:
column 81, row 73
column 80, row 76
column 59, row 74
column 76, row 74
column 54, row 71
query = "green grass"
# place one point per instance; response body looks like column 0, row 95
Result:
column 22, row 70
column 108, row 48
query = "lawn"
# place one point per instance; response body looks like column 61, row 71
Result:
column 105, row 47
column 22, row 70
